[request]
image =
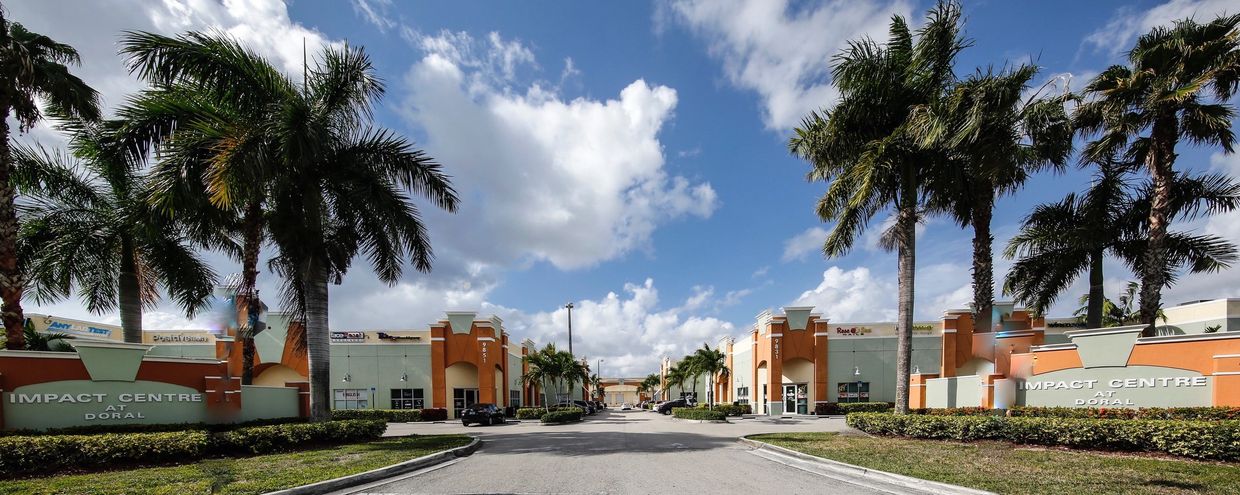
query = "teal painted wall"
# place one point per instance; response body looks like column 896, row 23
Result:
column 268, row 402
column 108, row 409
column 876, row 357
column 380, row 367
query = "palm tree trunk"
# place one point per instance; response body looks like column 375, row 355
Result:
column 906, row 273
column 983, row 260
column 252, row 233
column 130, row 294
column 317, row 340
column 1093, row 312
column 11, row 284
column 1159, row 160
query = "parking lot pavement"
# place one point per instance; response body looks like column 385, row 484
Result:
column 618, row 452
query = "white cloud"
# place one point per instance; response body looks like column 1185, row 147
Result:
column 629, row 332
column 1130, row 22
column 780, row 50
column 574, row 182
column 798, row 246
column 852, row 295
column 375, row 12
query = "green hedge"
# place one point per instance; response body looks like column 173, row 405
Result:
column 959, row 411
column 49, row 453
column 837, row 408
column 563, row 415
column 729, row 409
column 698, row 413
column 153, row 428
column 1216, row 440
column 389, row 415
column 1180, row 413
column 530, row 412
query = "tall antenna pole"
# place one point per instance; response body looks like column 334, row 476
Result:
column 570, row 328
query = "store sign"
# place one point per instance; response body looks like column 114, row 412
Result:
column 77, row 329
column 1134, row 386
column 348, row 336
column 388, row 336
column 180, row 337
column 883, row 330
column 83, row 402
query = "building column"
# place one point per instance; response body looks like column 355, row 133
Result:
column 821, row 380
column 439, row 382
column 503, row 338
column 775, row 375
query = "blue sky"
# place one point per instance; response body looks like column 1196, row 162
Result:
column 631, row 157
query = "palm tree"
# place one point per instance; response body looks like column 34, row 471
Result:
column 1121, row 313
column 100, row 236
column 713, row 362
column 544, row 367
column 864, row 147
column 999, row 137
column 1176, row 86
column 677, row 375
column 340, row 186
column 32, row 67
column 1059, row 241
column 48, row 342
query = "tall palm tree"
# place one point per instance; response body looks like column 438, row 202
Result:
column 212, row 161
column 676, row 375
column 864, row 147
column 999, row 137
column 341, row 186
column 544, row 368
column 1175, row 86
column 32, row 67
column 596, row 384
column 1060, row 241
column 713, row 362
column 101, row 238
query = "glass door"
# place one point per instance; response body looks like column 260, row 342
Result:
column 463, row 398
column 790, row 399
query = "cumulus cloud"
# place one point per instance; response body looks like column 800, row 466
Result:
column 1130, row 22
column 780, row 49
column 573, row 182
column 800, row 245
column 628, row 331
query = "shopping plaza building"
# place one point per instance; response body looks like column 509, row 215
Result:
column 789, row 362
column 460, row 360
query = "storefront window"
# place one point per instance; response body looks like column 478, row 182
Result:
column 407, row 398
column 514, row 398
column 854, row 391
column 742, row 395
column 351, row 398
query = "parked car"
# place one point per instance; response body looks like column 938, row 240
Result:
column 666, row 407
column 484, row 414
column 626, row 407
column 587, row 406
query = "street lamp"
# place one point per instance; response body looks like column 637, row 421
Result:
column 570, row 328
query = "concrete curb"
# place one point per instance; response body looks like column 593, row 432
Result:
column 851, row 471
column 342, row 482
column 700, row 421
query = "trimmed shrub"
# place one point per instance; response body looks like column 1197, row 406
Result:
column 49, row 453
column 1216, row 440
column 389, row 415
column 438, row 414
column 154, row 428
column 958, row 411
column 1177, row 413
column 837, row 408
column 729, row 409
column 563, row 415
column 698, row 414
column 530, row 412
column 266, row 439
column 19, row 454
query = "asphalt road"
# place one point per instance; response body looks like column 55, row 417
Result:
column 619, row 452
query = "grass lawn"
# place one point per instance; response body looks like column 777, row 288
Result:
column 255, row 474
column 1006, row 468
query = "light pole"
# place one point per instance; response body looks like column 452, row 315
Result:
column 570, row 328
